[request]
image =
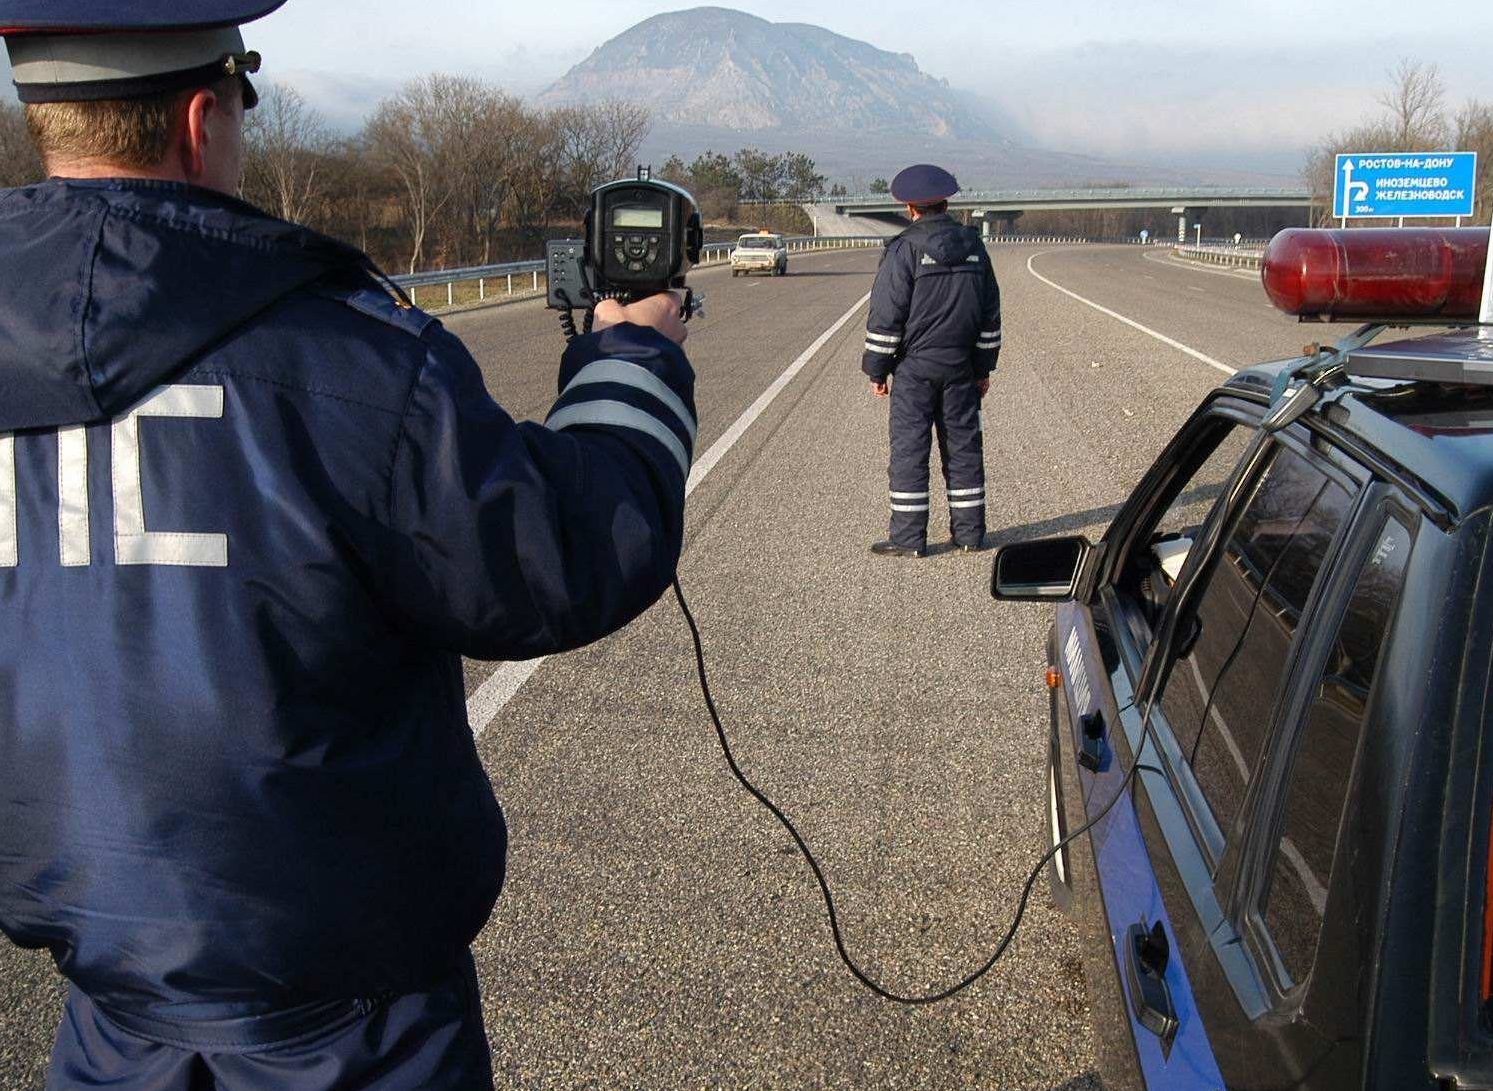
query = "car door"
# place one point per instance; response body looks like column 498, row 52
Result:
column 1233, row 698
column 1095, row 642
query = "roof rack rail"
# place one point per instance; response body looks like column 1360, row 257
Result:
column 1455, row 359
column 1463, row 357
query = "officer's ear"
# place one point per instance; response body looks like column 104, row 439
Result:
column 209, row 139
column 195, row 132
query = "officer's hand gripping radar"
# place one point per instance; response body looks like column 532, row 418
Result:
column 642, row 237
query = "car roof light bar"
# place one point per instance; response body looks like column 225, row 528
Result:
column 1397, row 276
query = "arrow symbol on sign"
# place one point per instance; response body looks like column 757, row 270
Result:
column 1352, row 190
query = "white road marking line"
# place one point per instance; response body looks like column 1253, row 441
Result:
column 504, row 683
column 1147, row 330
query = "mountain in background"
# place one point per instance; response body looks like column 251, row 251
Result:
column 723, row 69
column 719, row 79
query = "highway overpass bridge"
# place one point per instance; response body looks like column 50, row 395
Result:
column 1003, row 207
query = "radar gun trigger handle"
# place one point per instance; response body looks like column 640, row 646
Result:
column 642, row 237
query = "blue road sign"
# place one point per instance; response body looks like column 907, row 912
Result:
column 1390, row 184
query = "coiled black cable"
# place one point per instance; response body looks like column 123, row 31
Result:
column 829, row 900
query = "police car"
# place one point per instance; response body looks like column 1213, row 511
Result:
column 1270, row 680
column 760, row 253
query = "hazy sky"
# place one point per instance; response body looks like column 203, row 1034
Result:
column 1240, row 83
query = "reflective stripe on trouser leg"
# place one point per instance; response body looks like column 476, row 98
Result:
column 962, row 445
column 914, row 402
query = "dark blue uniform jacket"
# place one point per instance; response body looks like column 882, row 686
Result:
column 252, row 515
column 936, row 302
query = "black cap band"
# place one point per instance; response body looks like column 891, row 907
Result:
column 131, row 87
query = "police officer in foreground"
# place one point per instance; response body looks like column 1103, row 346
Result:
column 932, row 337
column 253, row 512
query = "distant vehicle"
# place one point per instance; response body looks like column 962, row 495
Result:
column 1289, row 624
column 760, row 253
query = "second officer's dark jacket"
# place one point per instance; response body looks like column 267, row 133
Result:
column 935, row 301
column 252, row 516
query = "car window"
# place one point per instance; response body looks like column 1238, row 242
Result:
column 1157, row 555
column 1219, row 696
column 1322, row 767
column 1185, row 514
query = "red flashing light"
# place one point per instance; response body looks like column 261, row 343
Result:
column 1411, row 272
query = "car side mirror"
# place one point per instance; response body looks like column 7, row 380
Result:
column 1046, row 570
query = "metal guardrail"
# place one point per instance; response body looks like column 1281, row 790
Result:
column 1180, row 194
column 1119, row 240
column 713, row 253
column 1237, row 257
column 413, row 282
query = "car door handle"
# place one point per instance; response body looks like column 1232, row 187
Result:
column 1146, row 955
column 1091, row 740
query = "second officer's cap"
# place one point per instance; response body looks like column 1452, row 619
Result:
column 85, row 50
column 924, row 184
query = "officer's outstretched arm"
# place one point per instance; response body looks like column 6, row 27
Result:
column 518, row 540
column 988, row 347
column 891, row 296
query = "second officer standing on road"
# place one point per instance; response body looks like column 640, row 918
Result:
column 935, row 323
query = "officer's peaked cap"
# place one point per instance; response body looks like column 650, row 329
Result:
column 84, row 50
column 924, row 184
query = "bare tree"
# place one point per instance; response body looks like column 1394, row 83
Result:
column 404, row 138
column 597, row 144
column 482, row 136
column 1414, row 119
column 535, row 193
column 287, row 148
column 1416, row 106
column 1474, row 132
column 19, row 163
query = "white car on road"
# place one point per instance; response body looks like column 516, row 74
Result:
column 760, row 253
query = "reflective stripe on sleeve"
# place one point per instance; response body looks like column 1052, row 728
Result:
column 885, row 338
column 620, row 415
column 883, row 349
column 627, row 373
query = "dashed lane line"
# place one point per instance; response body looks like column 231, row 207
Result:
column 501, row 686
column 1117, row 316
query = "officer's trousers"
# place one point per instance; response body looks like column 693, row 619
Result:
column 925, row 401
column 431, row 1039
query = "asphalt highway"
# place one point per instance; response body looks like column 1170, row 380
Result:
column 657, row 929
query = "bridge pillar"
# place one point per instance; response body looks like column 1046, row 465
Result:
column 1186, row 217
column 999, row 223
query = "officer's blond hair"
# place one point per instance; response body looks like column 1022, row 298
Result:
column 132, row 134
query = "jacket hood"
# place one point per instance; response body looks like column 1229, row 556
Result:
column 945, row 239
column 110, row 287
